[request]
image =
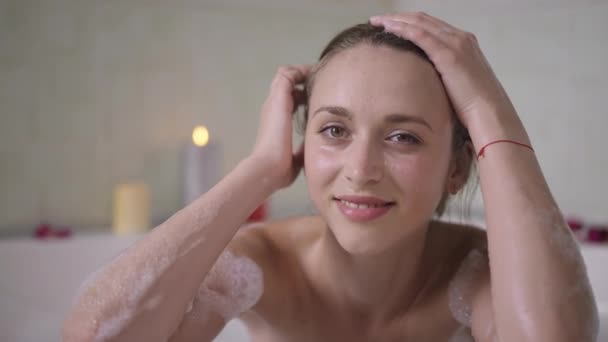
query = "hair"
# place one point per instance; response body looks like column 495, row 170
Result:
column 376, row 36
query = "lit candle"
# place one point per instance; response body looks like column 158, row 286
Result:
column 201, row 165
column 131, row 208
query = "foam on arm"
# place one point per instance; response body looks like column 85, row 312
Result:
column 143, row 293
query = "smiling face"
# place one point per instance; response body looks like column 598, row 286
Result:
column 379, row 134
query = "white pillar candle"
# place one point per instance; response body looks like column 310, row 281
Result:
column 201, row 165
column 131, row 208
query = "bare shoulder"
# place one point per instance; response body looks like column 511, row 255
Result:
column 452, row 248
column 461, row 245
column 247, row 280
column 276, row 247
column 469, row 263
column 469, row 294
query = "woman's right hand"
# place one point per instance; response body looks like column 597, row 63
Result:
column 273, row 145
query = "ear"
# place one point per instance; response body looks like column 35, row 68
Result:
column 460, row 167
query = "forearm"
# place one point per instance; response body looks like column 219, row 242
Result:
column 144, row 292
column 540, row 288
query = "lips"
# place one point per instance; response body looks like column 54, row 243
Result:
column 363, row 200
column 362, row 208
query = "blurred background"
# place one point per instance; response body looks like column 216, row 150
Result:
column 94, row 94
column 97, row 93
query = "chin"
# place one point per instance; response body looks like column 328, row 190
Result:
column 371, row 237
column 361, row 239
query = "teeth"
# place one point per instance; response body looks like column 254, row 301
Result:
column 361, row 206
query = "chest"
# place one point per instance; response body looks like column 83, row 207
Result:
column 313, row 321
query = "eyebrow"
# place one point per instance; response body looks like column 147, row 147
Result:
column 391, row 118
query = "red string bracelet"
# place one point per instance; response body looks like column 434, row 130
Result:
column 482, row 150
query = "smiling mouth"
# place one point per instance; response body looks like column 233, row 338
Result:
column 363, row 208
column 363, row 202
column 355, row 205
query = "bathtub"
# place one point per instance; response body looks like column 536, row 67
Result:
column 39, row 278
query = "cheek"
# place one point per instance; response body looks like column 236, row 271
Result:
column 416, row 174
column 321, row 168
column 321, row 164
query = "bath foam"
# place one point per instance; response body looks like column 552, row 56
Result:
column 190, row 306
column 462, row 285
column 133, row 292
column 204, row 215
column 462, row 334
column 151, row 267
column 145, row 269
column 111, row 327
column 564, row 241
column 140, row 282
column 153, row 302
column 233, row 286
column 561, row 235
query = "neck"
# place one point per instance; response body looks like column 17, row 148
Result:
column 386, row 281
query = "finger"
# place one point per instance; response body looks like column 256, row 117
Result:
column 304, row 70
column 287, row 78
column 421, row 37
column 295, row 74
column 441, row 30
column 283, row 86
column 420, row 18
column 449, row 33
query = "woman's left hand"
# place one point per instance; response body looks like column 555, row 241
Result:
column 468, row 78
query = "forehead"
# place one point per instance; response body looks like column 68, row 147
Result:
column 380, row 80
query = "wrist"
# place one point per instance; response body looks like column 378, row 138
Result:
column 491, row 123
column 260, row 172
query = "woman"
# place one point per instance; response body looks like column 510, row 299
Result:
column 397, row 110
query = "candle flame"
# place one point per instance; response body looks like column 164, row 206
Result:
column 200, row 136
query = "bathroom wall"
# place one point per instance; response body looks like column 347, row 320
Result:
column 93, row 93
column 551, row 57
column 99, row 92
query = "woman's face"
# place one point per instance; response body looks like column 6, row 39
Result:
column 379, row 126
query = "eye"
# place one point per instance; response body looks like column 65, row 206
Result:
column 334, row 131
column 404, row 138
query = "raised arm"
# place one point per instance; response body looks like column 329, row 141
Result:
column 143, row 294
column 539, row 289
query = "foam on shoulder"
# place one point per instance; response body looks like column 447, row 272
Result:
column 233, row 286
column 461, row 287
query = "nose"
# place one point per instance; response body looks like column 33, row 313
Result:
column 363, row 164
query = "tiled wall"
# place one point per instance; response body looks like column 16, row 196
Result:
column 551, row 57
column 94, row 93
column 97, row 92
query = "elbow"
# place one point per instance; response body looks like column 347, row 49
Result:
column 76, row 329
column 76, row 336
column 73, row 332
column 582, row 324
column 589, row 325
